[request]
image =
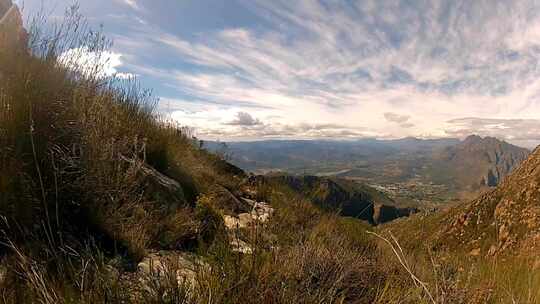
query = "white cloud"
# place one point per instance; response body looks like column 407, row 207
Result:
column 132, row 3
column 244, row 119
column 393, row 117
column 358, row 63
column 524, row 131
column 98, row 64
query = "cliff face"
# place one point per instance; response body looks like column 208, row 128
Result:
column 12, row 32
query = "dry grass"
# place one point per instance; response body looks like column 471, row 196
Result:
column 79, row 208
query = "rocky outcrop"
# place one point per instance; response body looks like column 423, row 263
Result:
column 505, row 220
column 12, row 32
column 259, row 215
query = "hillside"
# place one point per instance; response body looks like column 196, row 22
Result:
column 410, row 170
column 477, row 162
column 11, row 27
column 503, row 221
column 350, row 199
column 103, row 201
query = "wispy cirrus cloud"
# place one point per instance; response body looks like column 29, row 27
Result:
column 377, row 68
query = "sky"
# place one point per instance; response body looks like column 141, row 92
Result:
column 333, row 69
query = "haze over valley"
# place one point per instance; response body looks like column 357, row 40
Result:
column 415, row 172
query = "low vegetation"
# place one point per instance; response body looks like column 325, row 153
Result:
column 93, row 181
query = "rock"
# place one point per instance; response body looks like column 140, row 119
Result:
column 12, row 32
column 159, row 264
column 475, row 252
column 227, row 201
column 492, row 250
column 536, row 265
column 246, row 219
column 241, row 246
column 231, row 222
column 260, row 214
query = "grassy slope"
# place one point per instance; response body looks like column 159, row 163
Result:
column 76, row 217
column 79, row 211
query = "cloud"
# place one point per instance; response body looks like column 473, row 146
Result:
column 525, row 131
column 132, row 3
column 393, row 117
column 401, row 120
column 244, row 119
column 407, row 125
column 98, row 64
column 351, row 63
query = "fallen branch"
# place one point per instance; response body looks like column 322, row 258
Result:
column 403, row 261
column 165, row 181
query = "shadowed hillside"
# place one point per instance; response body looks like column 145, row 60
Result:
column 346, row 197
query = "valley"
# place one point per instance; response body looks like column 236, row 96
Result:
column 418, row 173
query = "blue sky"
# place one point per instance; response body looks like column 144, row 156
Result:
column 253, row 69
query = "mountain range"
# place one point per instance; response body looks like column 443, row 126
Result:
column 409, row 168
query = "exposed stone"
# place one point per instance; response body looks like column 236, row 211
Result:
column 510, row 212
column 160, row 263
column 241, row 246
column 260, row 214
column 231, row 222
column 475, row 252
column 12, row 32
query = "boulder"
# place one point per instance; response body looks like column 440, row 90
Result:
column 160, row 264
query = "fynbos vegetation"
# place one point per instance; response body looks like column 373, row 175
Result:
column 102, row 200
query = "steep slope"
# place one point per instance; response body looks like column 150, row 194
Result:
column 11, row 27
column 349, row 198
column 476, row 162
column 505, row 220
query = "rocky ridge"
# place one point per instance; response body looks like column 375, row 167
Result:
column 503, row 221
column 12, row 31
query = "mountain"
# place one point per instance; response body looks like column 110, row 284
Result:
column 410, row 169
column 504, row 220
column 478, row 162
column 349, row 198
column 11, row 25
column 295, row 156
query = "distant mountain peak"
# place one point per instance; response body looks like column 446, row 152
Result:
column 473, row 138
column 482, row 161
